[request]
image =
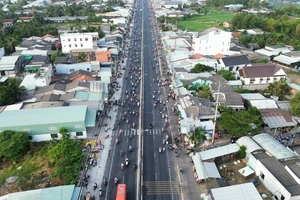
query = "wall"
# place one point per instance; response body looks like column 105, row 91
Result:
column 270, row 182
column 44, row 80
column 46, row 137
column 248, row 81
column 70, row 42
column 69, row 68
column 2, row 52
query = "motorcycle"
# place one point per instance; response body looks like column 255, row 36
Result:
column 134, row 166
column 95, row 186
column 181, row 171
column 100, row 192
column 116, row 181
column 176, row 154
column 130, row 149
column 126, row 161
column 117, row 141
column 122, row 166
column 107, row 136
column 104, row 181
column 121, row 153
column 159, row 149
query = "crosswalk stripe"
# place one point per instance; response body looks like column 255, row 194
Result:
column 162, row 187
column 128, row 132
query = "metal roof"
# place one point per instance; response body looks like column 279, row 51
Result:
column 249, row 143
column 219, row 151
column 252, row 96
column 270, row 144
column 276, row 117
column 205, row 169
column 246, row 191
column 263, row 103
column 236, row 60
column 40, row 116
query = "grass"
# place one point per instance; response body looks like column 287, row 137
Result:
column 202, row 22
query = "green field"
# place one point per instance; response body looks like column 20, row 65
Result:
column 202, row 22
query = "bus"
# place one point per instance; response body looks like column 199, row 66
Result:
column 121, row 192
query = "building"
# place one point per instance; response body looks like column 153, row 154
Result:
column 69, row 68
column 10, row 65
column 103, row 55
column 43, row 124
column 233, row 7
column 65, row 18
column 211, row 42
column 7, row 22
column 171, row 4
column 2, row 52
column 232, row 63
column 78, row 41
column 261, row 74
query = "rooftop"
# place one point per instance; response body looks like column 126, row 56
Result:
column 8, row 60
column 263, row 103
column 279, row 172
column 270, row 144
column 43, row 104
column 276, row 117
column 40, row 116
column 252, row 96
column 261, row 70
column 236, row 60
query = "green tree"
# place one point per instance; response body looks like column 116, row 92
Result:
column 226, row 74
column 279, row 88
column 66, row 156
column 198, row 134
column 81, row 57
column 204, row 91
column 13, row 145
column 198, row 68
column 295, row 104
column 238, row 122
column 242, row 152
column 11, row 92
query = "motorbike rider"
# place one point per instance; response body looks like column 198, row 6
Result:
column 116, row 180
column 122, row 166
column 121, row 153
column 130, row 148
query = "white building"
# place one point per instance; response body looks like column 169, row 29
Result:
column 171, row 4
column 212, row 42
column 78, row 41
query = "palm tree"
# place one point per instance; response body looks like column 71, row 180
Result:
column 279, row 88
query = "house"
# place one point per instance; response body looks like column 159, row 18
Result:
column 7, row 22
column 277, row 118
column 80, row 75
column 291, row 59
column 274, row 50
column 11, row 65
column 105, row 28
column 232, row 63
column 77, row 41
column 33, row 52
column 232, row 7
column 49, row 38
column 34, row 63
column 70, row 59
column 277, row 177
column 24, row 19
column 261, row 74
column 69, row 68
column 57, row 89
column 211, row 42
column 171, row 4
column 103, row 55
column 65, row 18
column 43, row 124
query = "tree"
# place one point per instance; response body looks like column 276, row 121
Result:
column 13, row 145
column 198, row 68
column 279, row 88
column 238, row 122
column 198, row 134
column 81, row 57
column 66, row 156
column 242, row 152
column 226, row 74
column 204, row 91
column 11, row 92
column 295, row 104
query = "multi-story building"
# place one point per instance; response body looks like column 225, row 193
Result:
column 212, row 42
column 78, row 41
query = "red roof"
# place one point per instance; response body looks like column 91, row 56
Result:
column 196, row 56
column 47, row 35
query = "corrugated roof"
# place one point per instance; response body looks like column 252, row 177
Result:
column 236, row 60
column 220, row 151
column 270, row 144
column 41, row 116
column 263, row 103
column 249, row 143
column 205, row 169
column 252, row 96
column 276, row 118
column 246, row 191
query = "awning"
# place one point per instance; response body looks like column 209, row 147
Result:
column 205, row 169
column 220, row 151
column 32, row 68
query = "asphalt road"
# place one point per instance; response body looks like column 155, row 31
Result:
column 159, row 173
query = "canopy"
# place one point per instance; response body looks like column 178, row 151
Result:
column 246, row 171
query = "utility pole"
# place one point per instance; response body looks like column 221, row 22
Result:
column 216, row 112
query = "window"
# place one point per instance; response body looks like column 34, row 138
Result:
column 81, row 45
column 75, row 45
column 70, row 45
column 69, row 40
column 75, row 39
column 79, row 134
column 26, row 130
column 78, row 126
column 282, row 197
column 262, row 175
column 80, row 39
column 86, row 39
column 53, row 128
column 54, row 135
column 71, row 70
column 87, row 69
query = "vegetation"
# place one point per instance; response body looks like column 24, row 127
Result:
column 11, row 92
column 226, row 74
column 295, row 104
column 222, row 3
column 198, row 135
column 13, row 145
column 81, row 57
column 279, row 88
column 238, row 123
column 242, row 152
column 278, row 29
column 65, row 156
column 55, row 55
column 198, row 68
column 260, row 61
column 201, row 22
